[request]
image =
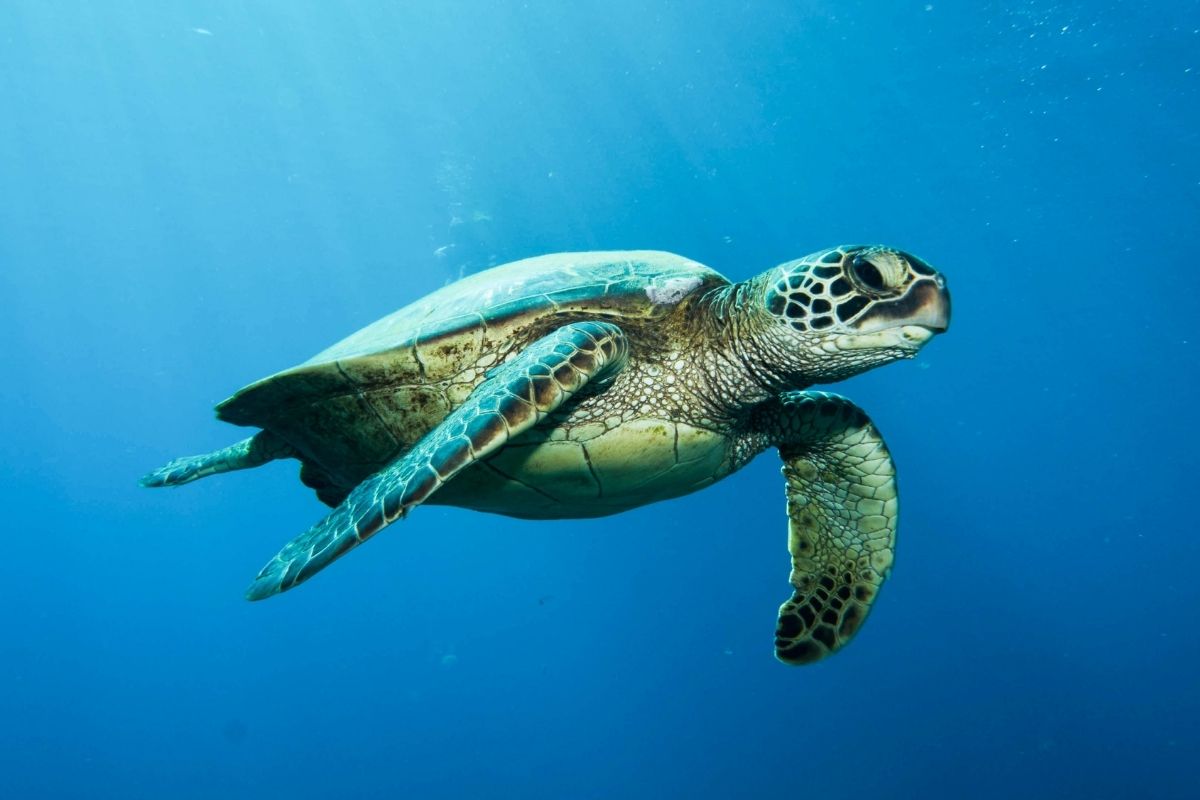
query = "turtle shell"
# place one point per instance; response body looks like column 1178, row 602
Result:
column 358, row 404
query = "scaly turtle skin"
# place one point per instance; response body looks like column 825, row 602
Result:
column 584, row 384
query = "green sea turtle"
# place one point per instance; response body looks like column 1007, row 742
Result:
column 584, row 384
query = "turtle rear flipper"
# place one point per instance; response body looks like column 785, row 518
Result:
column 260, row 448
column 842, row 504
column 515, row 397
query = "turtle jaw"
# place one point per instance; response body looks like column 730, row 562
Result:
column 843, row 355
column 907, row 338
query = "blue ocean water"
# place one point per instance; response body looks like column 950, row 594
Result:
column 194, row 195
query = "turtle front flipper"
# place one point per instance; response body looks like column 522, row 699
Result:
column 512, row 399
column 841, row 502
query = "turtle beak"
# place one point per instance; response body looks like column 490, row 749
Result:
column 925, row 305
column 934, row 312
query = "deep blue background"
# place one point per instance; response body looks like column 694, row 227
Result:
column 195, row 195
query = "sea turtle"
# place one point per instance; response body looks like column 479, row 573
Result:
column 584, row 384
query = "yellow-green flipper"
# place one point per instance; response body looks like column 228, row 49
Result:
column 841, row 505
column 514, row 398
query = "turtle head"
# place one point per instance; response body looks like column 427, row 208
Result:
column 842, row 311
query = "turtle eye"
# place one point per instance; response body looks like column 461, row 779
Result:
column 867, row 275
